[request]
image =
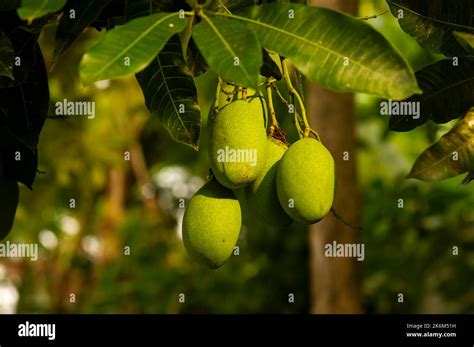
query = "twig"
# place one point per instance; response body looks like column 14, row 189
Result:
column 343, row 221
column 373, row 16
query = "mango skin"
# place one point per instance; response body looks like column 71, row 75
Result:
column 9, row 196
column 239, row 125
column 261, row 195
column 211, row 225
column 306, row 174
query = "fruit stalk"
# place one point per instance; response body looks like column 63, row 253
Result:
column 218, row 93
column 286, row 75
column 271, row 109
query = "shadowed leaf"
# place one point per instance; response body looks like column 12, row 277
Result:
column 452, row 155
column 433, row 22
column 73, row 23
column 170, row 94
column 448, row 93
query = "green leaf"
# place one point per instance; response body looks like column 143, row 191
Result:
column 32, row 9
column 433, row 22
column 170, row 94
column 230, row 49
column 448, row 93
column 73, row 23
column 7, row 56
column 338, row 51
column 452, row 155
column 8, row 5
column 129, row 48
column 466, row 40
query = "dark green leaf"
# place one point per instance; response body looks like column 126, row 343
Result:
column 32, row 9
column 78, row 14
column 230, row 49
column 23, row 110
column 196, row 62
column 469, row 177
column 20, row 162
column 231, row 6
column 26, row 104
column 122, row 11
column 270, row 67
column 170, row 93
column 137, row 8
column 9, row 20
column 24, row 46
column 433, row 22
column 448, row 93
column 336, row 50
column 452, row 155
column 38, row 24
column 6, row 56
column 129, row 48
column 466, row 40
column 8, row 5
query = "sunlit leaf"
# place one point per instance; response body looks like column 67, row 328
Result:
column 336, row 50
column 129, row 48
column 32, row 9
column 230, row 49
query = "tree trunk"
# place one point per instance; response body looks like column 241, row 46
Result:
column 335, row 282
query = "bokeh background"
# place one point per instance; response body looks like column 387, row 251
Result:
column 120, row 251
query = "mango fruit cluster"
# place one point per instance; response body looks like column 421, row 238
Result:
column 253, row 175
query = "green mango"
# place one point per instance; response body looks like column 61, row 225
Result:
column 211, row 224
column 261, row 195
column 237, row 142
column 9, row 196
column 306, row 181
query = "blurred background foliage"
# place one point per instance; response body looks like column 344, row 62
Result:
column 119, row 249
